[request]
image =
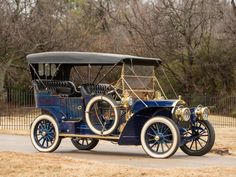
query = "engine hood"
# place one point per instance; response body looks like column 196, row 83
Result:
column 138, row 105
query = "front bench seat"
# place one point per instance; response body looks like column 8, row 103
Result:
column 94, row 89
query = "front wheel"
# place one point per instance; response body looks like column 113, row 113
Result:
column 84, row 143
column 200, row 139
column 44, row 134
column 160, row 137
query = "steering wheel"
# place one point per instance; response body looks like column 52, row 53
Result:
column 115, row 93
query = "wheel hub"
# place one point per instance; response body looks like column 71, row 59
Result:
column 44, row 133
column 157, row 138
column 195, row 134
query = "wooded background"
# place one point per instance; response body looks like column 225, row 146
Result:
column 196, row 39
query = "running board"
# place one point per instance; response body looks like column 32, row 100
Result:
column 72, row 119
column 114, row 138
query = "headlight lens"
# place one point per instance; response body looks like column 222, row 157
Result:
column 186, row 114
column 202, row 112
column 183, row 113
column 130, row 101
column 127, row 101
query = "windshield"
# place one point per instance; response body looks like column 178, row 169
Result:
column 140, row 81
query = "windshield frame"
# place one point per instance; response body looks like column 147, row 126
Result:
column 156, row 92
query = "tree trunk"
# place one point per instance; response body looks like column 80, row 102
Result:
column 2, row 79
column 234, row 7
column 4, row 68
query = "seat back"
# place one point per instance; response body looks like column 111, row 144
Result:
column 56, row 87
column 94, row 89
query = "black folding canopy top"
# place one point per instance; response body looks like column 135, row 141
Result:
column 87, row 58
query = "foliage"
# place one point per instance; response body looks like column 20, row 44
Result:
column 196, row 39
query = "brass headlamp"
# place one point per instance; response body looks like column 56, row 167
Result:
column 183, row 113
column 202, row 112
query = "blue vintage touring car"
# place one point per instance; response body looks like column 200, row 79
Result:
column 96, row 96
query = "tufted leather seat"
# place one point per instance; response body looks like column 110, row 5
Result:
column 94, row 89
column 58, row 87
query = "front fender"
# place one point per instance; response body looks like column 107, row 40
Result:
column 132, row 130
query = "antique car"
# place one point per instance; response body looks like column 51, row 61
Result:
column 89, row 97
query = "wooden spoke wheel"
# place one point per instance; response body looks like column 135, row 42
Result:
column 160, row 137
column 44, row 134
column 200, row 139
column 84, row 143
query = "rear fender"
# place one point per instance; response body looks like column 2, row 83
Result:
column 55, row 114
column 131, row 133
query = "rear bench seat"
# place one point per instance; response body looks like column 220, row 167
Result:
column 66, row 88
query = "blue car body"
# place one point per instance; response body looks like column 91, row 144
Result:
column 65, row 110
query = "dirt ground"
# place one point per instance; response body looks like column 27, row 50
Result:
column 20, row 164
column 225, row 143
column 15, row 132
column 26, row 165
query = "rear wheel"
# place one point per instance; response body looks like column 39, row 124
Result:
column 200, row 139
column 160, row 137
column 84, row 143
column 44, row 134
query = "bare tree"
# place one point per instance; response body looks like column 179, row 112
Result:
column 194, row 38
column 28, row 27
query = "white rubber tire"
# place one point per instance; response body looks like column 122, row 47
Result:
column 57, row 140
column 87, row 117
column 175, row 135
